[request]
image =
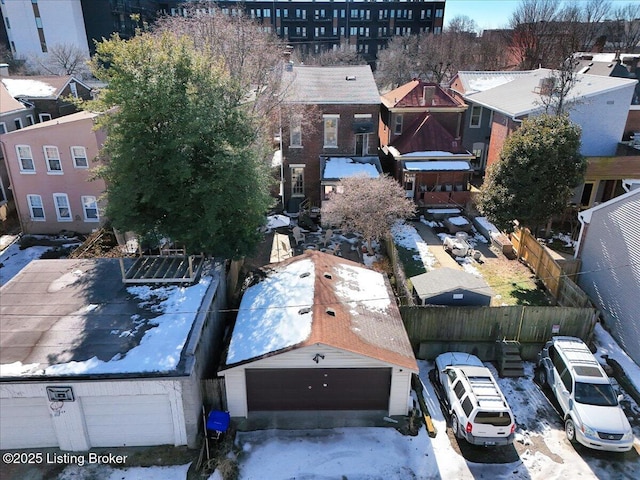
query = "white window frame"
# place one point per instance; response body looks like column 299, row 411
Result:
column 89, row 202
column 30, row 120
column 365, row 144
column 477, row 124
column 18, row 123
column 397, row 124
column 48, row 159
column 3, row 127
column 76, row 157
column 297, row 188
column 60, row 206
column 36, row 204
column 73, row 86
column 327, row 120
column 295, row 131
column 43, row 117
column 31, row 170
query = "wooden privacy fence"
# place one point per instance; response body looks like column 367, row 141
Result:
column 554, row 276
column 434, row 330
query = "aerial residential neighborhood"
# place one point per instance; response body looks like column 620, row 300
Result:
column 275, row 240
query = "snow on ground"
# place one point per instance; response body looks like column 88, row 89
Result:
column 13, row 260
column 408, row 237
column 102, row 472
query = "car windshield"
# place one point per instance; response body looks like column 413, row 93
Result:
column 596, row 394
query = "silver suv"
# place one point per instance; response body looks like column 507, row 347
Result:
column 479, row 412
column 590, row 408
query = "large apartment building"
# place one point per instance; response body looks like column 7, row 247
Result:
column 315, row 26
column 32, row 26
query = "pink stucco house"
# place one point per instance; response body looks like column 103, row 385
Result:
column 50, row 167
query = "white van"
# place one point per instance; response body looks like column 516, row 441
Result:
column 590, row 408
column 479, row 412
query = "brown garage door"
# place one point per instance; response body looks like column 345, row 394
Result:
column 318, row 389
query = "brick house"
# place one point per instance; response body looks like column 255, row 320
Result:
column 421, row 145
column 499, row 101
column 50, row 168
column 48, row 94
column 335, row 114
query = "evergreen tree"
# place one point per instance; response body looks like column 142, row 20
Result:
column 182, row 158
column 540, row 165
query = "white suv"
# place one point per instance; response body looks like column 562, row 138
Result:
column 479, row 412
column 590, row 408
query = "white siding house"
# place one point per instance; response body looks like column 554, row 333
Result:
column 609, row 250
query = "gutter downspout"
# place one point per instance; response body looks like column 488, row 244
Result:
column 584, row 218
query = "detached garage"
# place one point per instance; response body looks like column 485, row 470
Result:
column 319, row 333
column 87, row 361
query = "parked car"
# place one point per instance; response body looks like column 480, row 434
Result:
column 591, row 410
column 479, row 412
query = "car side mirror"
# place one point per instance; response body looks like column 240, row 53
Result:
column 620, row 397
column 571, row 404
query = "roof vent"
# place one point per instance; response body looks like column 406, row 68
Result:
column 304, row 310
column 327, row 275
column 331, row 312
column 350, row 78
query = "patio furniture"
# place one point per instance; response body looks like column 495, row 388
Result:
column 298, row 235
column 327, row 237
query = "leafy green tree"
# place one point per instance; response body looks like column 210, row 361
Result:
column 182, row 159
column 539, row 167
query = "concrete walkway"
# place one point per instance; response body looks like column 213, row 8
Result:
column 435, row 246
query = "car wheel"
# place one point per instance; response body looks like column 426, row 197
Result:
column 541, row 376
column 455, row 425
column 570, row 430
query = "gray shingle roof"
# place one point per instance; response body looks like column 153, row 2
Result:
column 521, row 96
column 351, row 84
column 443, row 280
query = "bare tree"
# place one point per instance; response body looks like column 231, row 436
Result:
column 398, row 63
column 65, row 59
column 533, row 33
column 369, row 206
column 623, row 30
column 251, row 55
column 343, row 55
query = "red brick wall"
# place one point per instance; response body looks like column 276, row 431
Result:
column 501, row 128
column 313, row 145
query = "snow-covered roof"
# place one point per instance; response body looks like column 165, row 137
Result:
column 343, row 167
column 75, row 317
column 480, row 81
column 346, row 84
column 39, row 87
column 438, row 165
column 320, row 298
column 521, row 96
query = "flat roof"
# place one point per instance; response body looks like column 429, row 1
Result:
column 77, row 318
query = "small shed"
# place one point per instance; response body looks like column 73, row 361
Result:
column 319, row 332
column 87, row 361
column 446, row 286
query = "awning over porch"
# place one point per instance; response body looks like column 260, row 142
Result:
column 438, row 165
column 336, row 168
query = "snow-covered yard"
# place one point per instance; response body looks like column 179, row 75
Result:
column 541, row 450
